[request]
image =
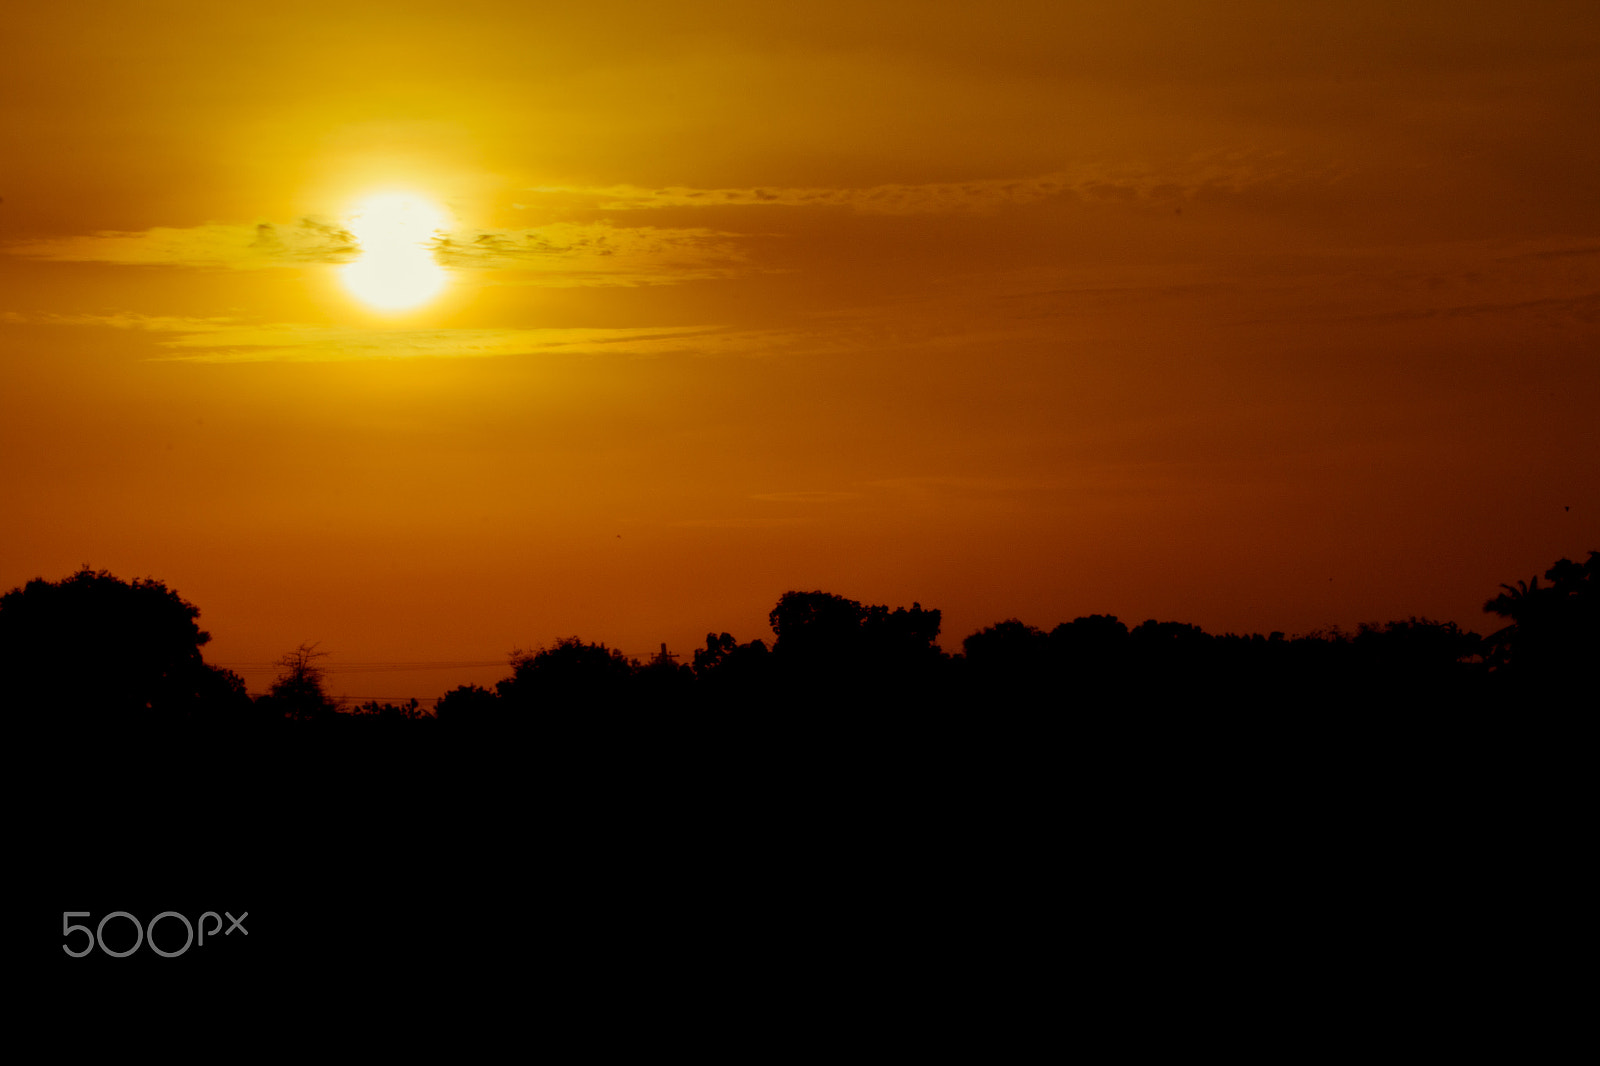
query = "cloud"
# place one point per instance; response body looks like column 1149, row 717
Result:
column 736, row 523
column 806, row 497
column 561, row 254
column 224, row 340
column 878, row 199
column 1226, row 171
column 1578, row 251
column 1575, row 310
column 595, row 254
column 213, row 245
column 944, row 484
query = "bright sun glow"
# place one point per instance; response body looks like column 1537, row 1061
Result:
column 396, row 270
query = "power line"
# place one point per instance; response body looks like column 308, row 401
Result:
column 373, row 662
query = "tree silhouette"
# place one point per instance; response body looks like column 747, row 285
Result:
column 92, row 651
column 819, row 628
column 468, row 705
column 816, row 626
column 726, row 671
column 297, row 694
column 94, row 648
column 903, row 638
column 567, row 674
column 1008, row 645
column 1554, row 635
column 1092, row 643
column 1009, row 664
column 834, row 653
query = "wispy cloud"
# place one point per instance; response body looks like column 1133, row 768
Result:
column 223, row 340
column 214, row 245
column 945, row 484
column 595, row 254
column 1554, row 310
column 1232, row 171
column 878, row 199
column 736, row 523
column 806, row 497
column 560, row 254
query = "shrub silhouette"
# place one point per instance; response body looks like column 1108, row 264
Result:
column 409, row 711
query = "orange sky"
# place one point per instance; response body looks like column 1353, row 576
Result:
column 1259, row 316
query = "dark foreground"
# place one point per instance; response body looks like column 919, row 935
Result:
column 967, row 875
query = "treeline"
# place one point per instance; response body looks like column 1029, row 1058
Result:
column 96, row 650
column 842, row 797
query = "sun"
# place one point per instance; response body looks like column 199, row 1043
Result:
column 396, row 270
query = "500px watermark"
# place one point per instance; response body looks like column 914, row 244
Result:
column 144, row 933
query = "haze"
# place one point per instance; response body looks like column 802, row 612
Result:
column 1256, row 316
